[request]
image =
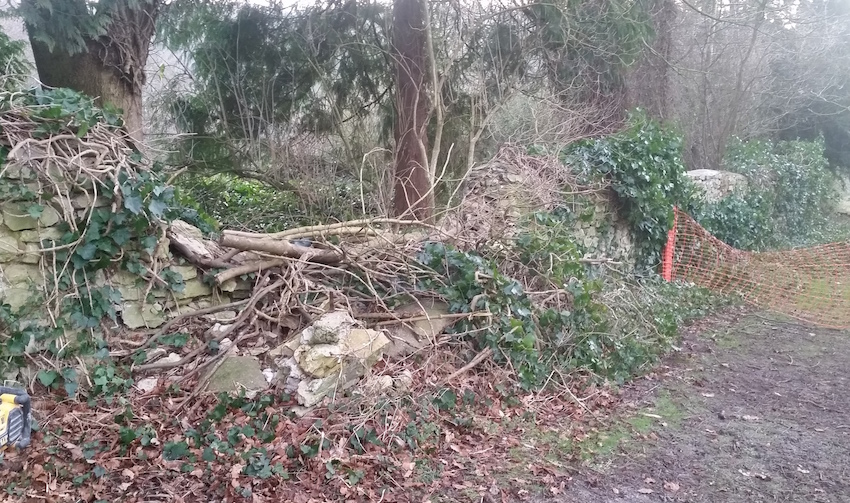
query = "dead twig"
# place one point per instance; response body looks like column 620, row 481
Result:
column 466, row 368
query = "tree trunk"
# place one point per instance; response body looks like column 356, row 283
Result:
column 112, row 67
column 413, row 195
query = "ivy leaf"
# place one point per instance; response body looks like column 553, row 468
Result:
column 86, row 252
column 133, row 204
column 35, row 210
column 71, row 384
column 157, row 208
column 121, row 236
column 47, row 377
column 175, row 450
column 149, row 244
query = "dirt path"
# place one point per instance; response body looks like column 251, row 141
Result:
column 753, row 411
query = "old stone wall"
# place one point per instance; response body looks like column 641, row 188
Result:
column 514, row 186
column 27, row 272
column 716, row 185
column 603, row 233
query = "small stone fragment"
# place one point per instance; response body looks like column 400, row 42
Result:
column 147, row 384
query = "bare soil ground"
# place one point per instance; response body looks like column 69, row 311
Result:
column 753, row 409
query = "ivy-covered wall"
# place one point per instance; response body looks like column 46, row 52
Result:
column 27, row 272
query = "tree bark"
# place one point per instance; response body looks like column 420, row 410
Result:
column 112, row 67
column 413, row 195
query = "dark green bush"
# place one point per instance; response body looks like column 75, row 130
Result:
column 241, row 203
column 790, row 200
column 644, row 166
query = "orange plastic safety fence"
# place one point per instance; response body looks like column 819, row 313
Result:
column 810, row 284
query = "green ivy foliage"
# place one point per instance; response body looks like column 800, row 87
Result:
column 644, row 166
column 106, row 237
column 611, row 341
column 742, row 221
column 241, row 203
column 790, row 198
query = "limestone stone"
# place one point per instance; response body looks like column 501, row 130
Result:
column 404, row 381
column 194, row 288
column 36, row 236
column 236, row 373
column 716, row 185
column 135, row 314
column 328, row 329
column 147, row 384
column 14, row 171
column 377, row 385
column 309, row 392
column 233, row 285
column 84, row 200
column 124, row 278
column 9, row 249
column 320, row 360
column 219, row 316
column 129, row 292
column 186, row 272
column 32, row 253
column 16, row 216
column 290, row 374
column 285, row 350
column 17, row 296
column 364, row 345
column 22, row 273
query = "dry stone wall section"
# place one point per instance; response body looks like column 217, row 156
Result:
column 27, row 274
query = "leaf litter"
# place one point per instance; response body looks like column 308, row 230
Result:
column 236, row 449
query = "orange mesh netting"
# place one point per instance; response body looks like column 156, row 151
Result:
column 810, row 284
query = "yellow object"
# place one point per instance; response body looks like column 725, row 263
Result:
column 15, row 420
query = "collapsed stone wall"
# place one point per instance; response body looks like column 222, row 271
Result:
column 514, row 185
column 26, row 273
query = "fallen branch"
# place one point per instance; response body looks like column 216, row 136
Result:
column 475, row 361
column 281, row 248
column 235, row 272
column 425, row 317
column 247, row 310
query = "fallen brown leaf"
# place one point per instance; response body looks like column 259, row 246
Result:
column 671, row 486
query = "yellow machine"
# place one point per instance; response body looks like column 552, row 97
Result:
column 15, row 418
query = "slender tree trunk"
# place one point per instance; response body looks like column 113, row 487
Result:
column 413, row 195
column 111, row 69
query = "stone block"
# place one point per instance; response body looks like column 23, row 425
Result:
column 233, row 285
column 15, row 171
column 194, row 288
column 330, row 328
column 364, row 345
column 37, row 236
column 17, row 296
column 17, row 218
column 22, row 273
column 136, row 314
column 9, row 249
column 84, row 200
column 236, row 373
column 186, row 272
column 32, row 253
column 320, row 360
column 129, row 292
